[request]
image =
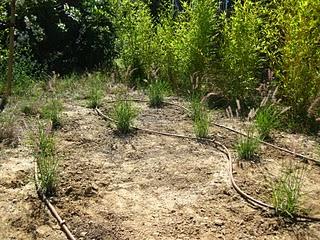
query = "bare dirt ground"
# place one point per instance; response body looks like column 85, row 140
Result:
column 147, row 186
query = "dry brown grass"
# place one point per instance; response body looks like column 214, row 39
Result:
column 8, row 129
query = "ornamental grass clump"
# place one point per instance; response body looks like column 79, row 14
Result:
column 201, row 125
column 267, row 119
column 157, row 91
column 52, row 111
column 286, row 192
column 247, row 146
column 44, row 150
column 124, row 114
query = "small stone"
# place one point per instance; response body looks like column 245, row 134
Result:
column 69, row 190
column 218, row 222
column 95, row 187
column 43, row 230
column 83, row 234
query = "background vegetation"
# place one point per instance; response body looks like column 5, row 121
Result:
column 239, row 53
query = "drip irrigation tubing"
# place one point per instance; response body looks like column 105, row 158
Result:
column 222, row 148
column 51, row 208
column 301, row 156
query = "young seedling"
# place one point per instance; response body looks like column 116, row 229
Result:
column 157, row 91
column 47, row 163
column 52, row 111
column 247, row 146
column 124, row 114
column 267, row 119
column 286, row 192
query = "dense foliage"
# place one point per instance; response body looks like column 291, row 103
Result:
column 65, row 35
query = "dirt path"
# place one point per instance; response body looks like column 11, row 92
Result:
column 142, row 186
column 154, row 187
column 22, row 216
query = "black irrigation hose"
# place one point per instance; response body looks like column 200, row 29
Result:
column 51, row 208
column 232, row 130
column 272, row 145
column 227, row 153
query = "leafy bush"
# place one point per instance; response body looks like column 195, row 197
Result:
column 52, row 111
column 124, row 114
column 194, row 40
column 247, row 146
column 66, row 36
column 134, row 30
column 47, row 162
column 241, row 57
column 286, row 192
column 157, row 90
column 300, row 54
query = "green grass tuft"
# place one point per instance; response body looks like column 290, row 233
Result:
column 95, row 94
column 286, row 192
column 247, row 146
column 201, row 125
column 124, row 114
column 267, row 119
column 157, row 91
column 52, row 111
column 45, row 154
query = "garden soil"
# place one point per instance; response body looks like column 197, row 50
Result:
column 145, row 186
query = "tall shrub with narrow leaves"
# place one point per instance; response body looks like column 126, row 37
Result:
column 134, row 29
column 241, row 56
column 299, row 68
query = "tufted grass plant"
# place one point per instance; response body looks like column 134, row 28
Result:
column 95, row 93
column 247, row 146
column 286, row 191
column 45, row 153
column 157, row 91
column 196, row 108
column 201, row 124
column 267, row 119
column 52, row 111
column 124, row 114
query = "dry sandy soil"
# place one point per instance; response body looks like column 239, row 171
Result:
column 145, row 186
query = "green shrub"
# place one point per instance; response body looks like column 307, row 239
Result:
column 157, row 91
column 194, row 40
column 47, row 162
column 300, row 54
column 134, row 30
column 52, row 111
column 124, row 114
column 247, row 146
column 267, row 119
column 241, row 57
column 286, row 192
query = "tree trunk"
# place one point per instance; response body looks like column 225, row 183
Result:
column 8, row 87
